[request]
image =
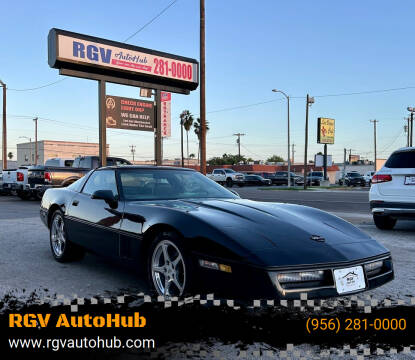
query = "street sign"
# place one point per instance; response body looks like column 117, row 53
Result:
column 69, row 50
column 325, row 131
column 131, row 114
column 319, row 160
column 165, row 114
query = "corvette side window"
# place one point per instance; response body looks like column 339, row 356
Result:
column 101, row 180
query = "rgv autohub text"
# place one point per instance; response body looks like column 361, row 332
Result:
column 75, row 321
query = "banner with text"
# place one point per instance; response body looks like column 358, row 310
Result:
column 131, row 114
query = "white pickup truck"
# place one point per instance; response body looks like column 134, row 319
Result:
column 227, row 176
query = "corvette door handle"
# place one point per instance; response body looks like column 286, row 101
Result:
column 75, row 203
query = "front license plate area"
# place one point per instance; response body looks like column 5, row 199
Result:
column 349, row 279
column 409, row 180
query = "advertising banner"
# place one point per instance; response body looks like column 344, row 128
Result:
column 130, row 114
column 325, row 131
column 88, row 53
column 165, row 114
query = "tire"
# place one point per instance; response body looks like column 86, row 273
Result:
column 23, row 195
column 229, row 182
column 38, row 195
column 63, row 250
column 179, row 276
column 384, row 222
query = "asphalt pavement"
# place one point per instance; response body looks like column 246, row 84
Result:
column 29, row 267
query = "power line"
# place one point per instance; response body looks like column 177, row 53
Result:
column 152, row 20
column 39, row 87
column 128, row 38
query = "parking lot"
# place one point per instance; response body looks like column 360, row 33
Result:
column 27, row 265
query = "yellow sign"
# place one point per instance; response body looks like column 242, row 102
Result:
column 325, row 131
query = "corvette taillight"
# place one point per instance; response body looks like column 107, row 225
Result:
column 20, row 176
column 380, row 178
column 48, row 177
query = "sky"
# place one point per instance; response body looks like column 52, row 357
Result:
column 317, row 47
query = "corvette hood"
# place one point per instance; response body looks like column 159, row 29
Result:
column 286, row 234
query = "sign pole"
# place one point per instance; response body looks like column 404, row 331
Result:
column 325, row 162
column 202, row 90
column 102, row 124
column 158, row 128
column 306, row 142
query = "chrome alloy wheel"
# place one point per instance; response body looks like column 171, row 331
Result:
column 58, row 236
column 168, row 269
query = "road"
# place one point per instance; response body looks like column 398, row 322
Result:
column 29, row 265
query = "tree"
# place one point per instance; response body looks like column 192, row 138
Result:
column 10, row 155
column 228, row 159
column 275, row 158
column 198, row 131
column 187, row 124
column 185, row 117
column 192, row 156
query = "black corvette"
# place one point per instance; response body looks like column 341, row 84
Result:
column 190, row 234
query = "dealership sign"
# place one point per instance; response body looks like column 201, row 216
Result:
column 325, row 131
column 131, row 114
column 91, row 54
column 165, row 114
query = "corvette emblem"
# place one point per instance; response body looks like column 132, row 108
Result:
column 317, row 238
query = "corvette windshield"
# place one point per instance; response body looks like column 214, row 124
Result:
column 151, row 184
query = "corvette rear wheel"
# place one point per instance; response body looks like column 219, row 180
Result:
column 384, row 222
column 169, row 268
column 62, row 249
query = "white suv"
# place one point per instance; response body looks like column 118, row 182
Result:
column 392, row 195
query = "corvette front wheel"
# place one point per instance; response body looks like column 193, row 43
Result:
column 169, row 268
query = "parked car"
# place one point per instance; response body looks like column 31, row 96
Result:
column 281, row 178
column 392, row 194
column 265, row 175
column 227, row 176
column 59, row 162
column 10, row 179
column 42, row 177
column 368, row 177
column 315, row 178
column 353, row 179
column 257, row 180
column 190, row 236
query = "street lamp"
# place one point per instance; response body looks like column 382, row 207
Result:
column 411, row 127
column 30, row 141
column 288, row 134
column 309, row 102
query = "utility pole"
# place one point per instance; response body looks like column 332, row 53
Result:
column 374, row 137
column 309, row 102
column 202, row 90
column 238, row 141
column 350, row 155
column 132, row 150
column 344, row 167
column 292, row 151
column 35, row 120
column 4, row 126
column 406, row 129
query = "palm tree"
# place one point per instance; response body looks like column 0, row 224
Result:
column 198, row 131
column 185, row 118
column 188, row 122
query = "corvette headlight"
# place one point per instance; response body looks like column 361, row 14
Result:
column 374, row 268
column 300, row 276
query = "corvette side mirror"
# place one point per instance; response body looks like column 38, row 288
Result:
column 107, row 196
